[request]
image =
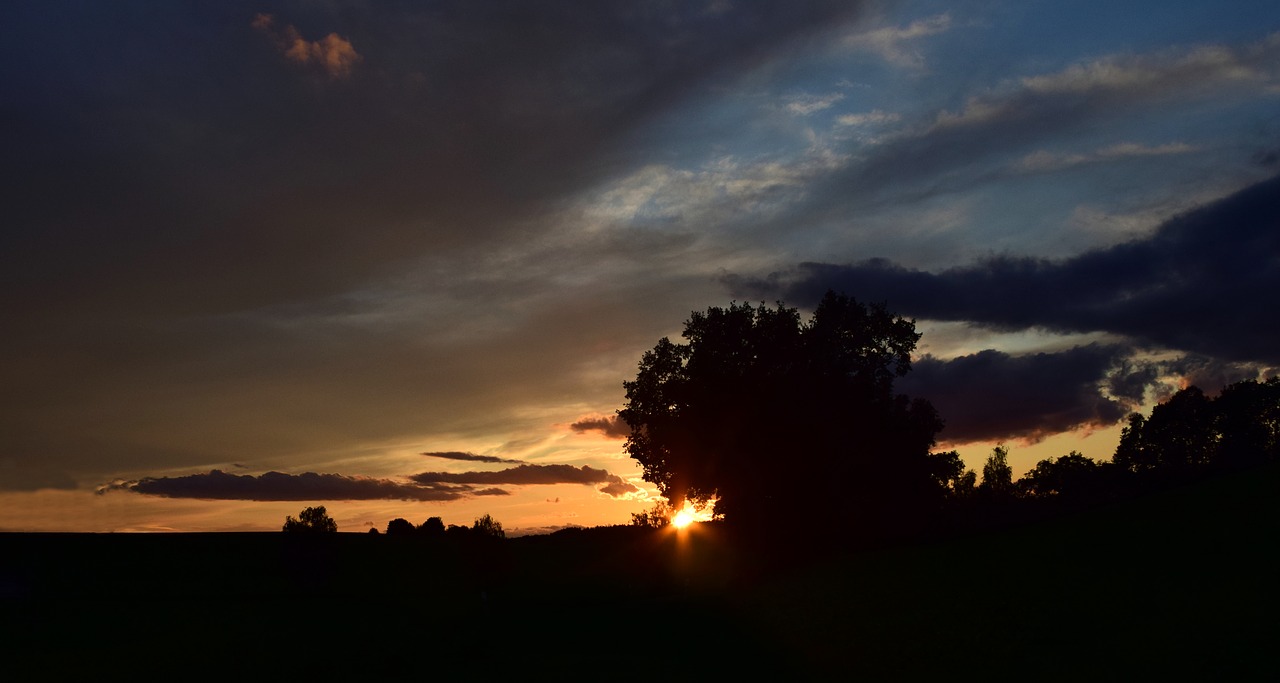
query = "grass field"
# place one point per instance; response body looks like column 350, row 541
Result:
column 1176, row 585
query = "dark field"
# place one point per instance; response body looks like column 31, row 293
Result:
column 1176, row 585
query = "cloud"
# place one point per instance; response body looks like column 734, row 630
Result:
column 533, row 475
column 470, row 457
column 1041, row 161
column 278, row 486
column 992, row 395
column 895, row 44
column 1124, row 80
column 804, row 105
column 873, row 117
column 333, row 53
column 953, row 149
column 618, row 488
column 609, row 426
column 1202, row 283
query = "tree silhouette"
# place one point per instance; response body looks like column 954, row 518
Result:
column 432, row 528
column 1248, row 423
column 487, row 526
column 1178, row 437
column 1071, row 474
column 655, row 517
column 1191, row 434
column 762, row 413
column 400, row 527
column 997, row 475
column 311, row 520
column 949, row 473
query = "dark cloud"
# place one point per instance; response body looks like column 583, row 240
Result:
column 1202, row 283
column 618, row 488
column 275, row 486
column 533, row 474
column 469, row 457
column 992, row 395
column 611, row 427
column 1210, row 374
column 197, row 173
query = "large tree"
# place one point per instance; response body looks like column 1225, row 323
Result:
column 773, row 417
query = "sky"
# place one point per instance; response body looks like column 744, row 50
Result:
column 398, row 258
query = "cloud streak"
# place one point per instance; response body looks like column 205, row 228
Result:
column 468, row 457
column 896, row 44
column 278, row 486
column 533, row 475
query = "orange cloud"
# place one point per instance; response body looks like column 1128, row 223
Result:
column 333, row 53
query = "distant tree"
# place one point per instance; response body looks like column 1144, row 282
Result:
column 400, row 527
column 1247, row 420
column 311, row 520
column 1132, row 453
column 373, row 530
column 488, row 527
column 433, row 527
column 655, row 517
column 1178, row 439
column 1071, row 474
column 949, row 474
column 1191, row 434
column 711, row 418
column 997, row 475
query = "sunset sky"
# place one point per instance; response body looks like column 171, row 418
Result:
column 398, row 258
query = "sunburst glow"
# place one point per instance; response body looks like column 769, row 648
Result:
column 682, row 518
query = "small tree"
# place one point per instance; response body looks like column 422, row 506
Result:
column 432, row 528
column 311, row 520
column 997, row 475
column 1070, row 474
column 400, row 527
column 489, row 527
column 950, row 475
column 655, row 517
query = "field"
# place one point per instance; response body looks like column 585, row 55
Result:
column 1180, row 584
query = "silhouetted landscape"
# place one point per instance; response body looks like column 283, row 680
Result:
column 1157, row 562
column 1161, row 563
column 640, row 340
column 1179, row 584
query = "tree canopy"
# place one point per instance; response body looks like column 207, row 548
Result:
column 763, row 413
column 1192, row 432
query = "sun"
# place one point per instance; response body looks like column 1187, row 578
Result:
column 682, row 518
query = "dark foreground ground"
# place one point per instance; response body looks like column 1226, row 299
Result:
column 1178, row 585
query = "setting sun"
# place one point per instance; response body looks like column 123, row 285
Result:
column 682, row 518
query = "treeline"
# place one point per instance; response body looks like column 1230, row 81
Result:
column 484, row 526
column 1187, row 438
column 317, row 520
